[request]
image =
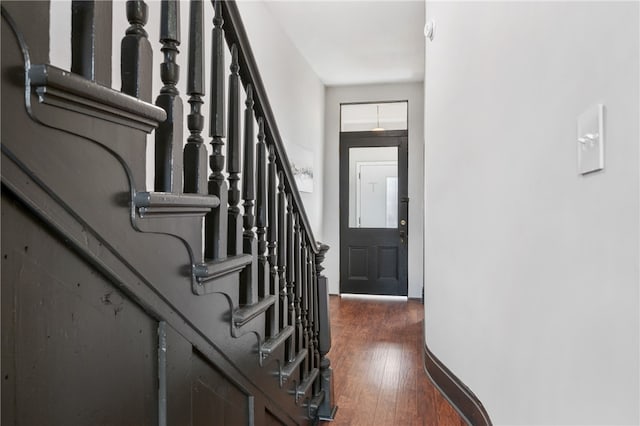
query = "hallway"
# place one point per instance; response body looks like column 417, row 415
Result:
column 377, row 363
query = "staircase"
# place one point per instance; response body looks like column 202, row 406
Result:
column 200, row 302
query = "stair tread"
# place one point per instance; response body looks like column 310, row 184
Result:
column 271, row 344
column 46, row 75
column 170, row 199
column 288, row 369
column 243, row 315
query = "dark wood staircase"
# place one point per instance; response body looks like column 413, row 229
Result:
column 200, row 302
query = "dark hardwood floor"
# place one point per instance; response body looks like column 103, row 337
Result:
column 378, row 371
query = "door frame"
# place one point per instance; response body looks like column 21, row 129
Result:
column 365, row 139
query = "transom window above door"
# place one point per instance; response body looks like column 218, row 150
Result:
column 376, row 116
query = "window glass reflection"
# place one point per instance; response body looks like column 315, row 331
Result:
column 373, row 187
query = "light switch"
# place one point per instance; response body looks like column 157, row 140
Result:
column 591, row 140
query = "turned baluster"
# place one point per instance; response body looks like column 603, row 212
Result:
column 272, row 234
column 216, row 220
column 234, row 229
column 136, row 57
column 314, row 316
column 311, row 307
column 248, row 277
column 195, row 153
column 281, row 257
column 169, row 132
column 261, row 213
column 248, row 181
column 299, row 333
column 91, row 40
column 304, row 300
column 290, row 276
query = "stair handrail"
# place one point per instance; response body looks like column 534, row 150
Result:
column 235, row 33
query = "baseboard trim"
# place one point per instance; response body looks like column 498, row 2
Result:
column 459, row 395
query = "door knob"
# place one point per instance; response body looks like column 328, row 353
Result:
column 403, row 222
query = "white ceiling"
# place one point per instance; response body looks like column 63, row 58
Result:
column 356, row 41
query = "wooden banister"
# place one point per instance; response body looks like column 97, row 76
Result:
column 239, row 238
column 235, row 33
column 281, row 284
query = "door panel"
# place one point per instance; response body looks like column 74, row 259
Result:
column 388, row 262
column 358, row 263
column 373, row 213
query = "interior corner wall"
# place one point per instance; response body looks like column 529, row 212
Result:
column 335, row 95
column 532, row 270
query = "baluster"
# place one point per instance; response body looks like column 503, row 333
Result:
column 304, row 307
column 298, row 289
column 136, row 57
column 316, row 308
column 234, row 246
column 314, row 329
column 272, row 231
column 261, row 213
column 216, row 220
column 169, row 132
column 311, row 308
column 290, row 276
column 195, row 153
column 248, row 182
column 281, row 257
column 248, row 276
column 91, row 40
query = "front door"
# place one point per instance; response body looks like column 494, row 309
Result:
column 373, row 212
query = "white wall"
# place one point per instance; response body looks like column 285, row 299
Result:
column 413, row 92
column 532, row 271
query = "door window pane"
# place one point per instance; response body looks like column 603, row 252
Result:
column 392, row 202
column 373, row 187
column 373, row 116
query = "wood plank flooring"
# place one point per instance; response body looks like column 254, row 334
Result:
column 376, row 356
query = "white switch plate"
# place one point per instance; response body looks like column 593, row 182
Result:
column 591, row 140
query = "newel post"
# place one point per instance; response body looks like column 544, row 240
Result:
column 326, row 410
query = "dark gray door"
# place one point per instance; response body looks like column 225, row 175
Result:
column 373, row 212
